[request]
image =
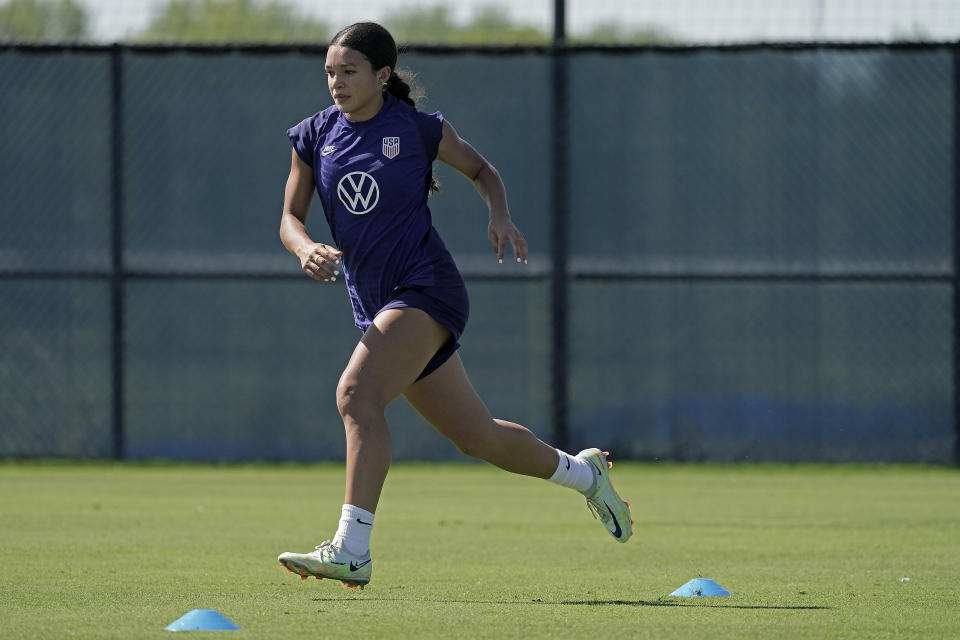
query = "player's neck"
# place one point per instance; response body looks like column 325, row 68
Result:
column 366, row 112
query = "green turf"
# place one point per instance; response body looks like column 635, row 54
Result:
column 104, row 551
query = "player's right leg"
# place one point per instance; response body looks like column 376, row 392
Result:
column 330, row 561
column 389, row 358
column 392, row 354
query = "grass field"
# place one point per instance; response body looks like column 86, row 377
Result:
column 467, row 551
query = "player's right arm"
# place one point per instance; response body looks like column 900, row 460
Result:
column 319, row 261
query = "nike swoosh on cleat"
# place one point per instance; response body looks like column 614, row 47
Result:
column 619, row 531
column 596, row 467
column 354, row 566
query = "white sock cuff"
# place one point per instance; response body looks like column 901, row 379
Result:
column 352, row 512
column 355, row 527
column 563, row 463
column 572, row 472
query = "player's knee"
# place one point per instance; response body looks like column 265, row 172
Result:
column 469, row 447
column 472, row 443
column 353, row 401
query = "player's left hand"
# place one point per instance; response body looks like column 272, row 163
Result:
column 503, row 231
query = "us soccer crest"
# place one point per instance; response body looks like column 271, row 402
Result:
column 391, row 147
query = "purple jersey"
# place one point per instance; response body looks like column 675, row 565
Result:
column 373, row 179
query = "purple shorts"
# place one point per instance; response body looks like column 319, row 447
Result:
column 450, row 306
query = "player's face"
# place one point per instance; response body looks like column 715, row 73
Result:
column 355, row 86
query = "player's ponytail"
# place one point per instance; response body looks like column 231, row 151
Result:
column 398, row 84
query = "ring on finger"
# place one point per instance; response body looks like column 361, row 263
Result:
column 318, row 259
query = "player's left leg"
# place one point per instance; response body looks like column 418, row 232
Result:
column 447, row 399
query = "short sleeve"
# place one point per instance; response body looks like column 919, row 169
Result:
column 431, row 130
column 304, row 137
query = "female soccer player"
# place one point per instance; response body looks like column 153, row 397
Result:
column 369, row 157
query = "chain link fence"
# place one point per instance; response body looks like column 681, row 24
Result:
column 760, row 259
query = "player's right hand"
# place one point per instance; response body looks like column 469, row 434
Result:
column 320, row 262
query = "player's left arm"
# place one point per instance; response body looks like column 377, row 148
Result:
column 459, row 154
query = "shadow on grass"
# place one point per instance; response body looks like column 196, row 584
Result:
column 581, row 603
column 671, row 603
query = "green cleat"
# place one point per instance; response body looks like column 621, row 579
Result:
column 330, row 561
column 603, row 500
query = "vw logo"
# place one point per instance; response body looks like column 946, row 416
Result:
column 358, row 192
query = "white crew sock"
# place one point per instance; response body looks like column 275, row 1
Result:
column 353, row 533
column 573, row 472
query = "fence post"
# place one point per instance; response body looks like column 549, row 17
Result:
column 559, row 148
column 118, row 332
column 956, row 251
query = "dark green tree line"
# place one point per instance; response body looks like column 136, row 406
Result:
column 277, row 21
column 43, row 20
column 232, row 21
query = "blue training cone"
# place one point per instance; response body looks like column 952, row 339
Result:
column 202, row 620
column 699, row 587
